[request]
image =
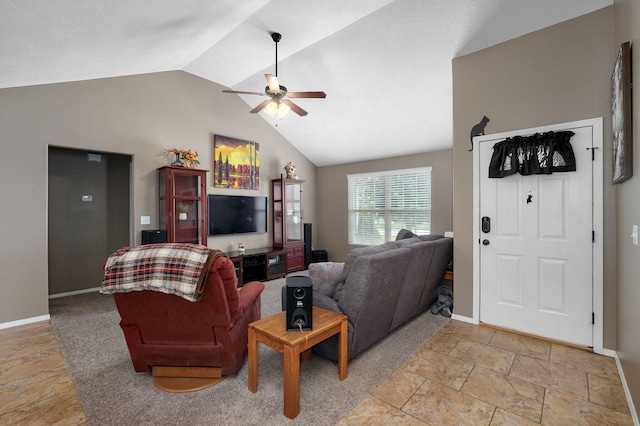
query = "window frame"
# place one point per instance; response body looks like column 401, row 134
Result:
column 356, row 182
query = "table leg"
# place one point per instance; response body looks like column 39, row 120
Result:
column 252, row 347
column 342, row 350
column 291, row 382
column 307, row 355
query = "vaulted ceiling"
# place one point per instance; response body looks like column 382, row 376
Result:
column 384, row 64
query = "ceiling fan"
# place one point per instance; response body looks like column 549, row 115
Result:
column 279, row 104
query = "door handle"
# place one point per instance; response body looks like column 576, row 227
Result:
column 485, row 242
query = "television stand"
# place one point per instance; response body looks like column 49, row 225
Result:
column 262, row 264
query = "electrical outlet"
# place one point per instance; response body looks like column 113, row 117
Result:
column 145, row 220
column 634, row 235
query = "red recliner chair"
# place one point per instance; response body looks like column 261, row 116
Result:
column 168, row 330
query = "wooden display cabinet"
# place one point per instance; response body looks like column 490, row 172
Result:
column 183, row 188
column 288, row 220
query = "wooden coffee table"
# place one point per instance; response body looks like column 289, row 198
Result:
column 295, row 344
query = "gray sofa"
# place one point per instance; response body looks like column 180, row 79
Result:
column 380, row 287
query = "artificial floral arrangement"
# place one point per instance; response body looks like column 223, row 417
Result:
column 182, row 208
column 291, row 170
column 183, row 157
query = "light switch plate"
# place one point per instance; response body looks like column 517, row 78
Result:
column 145, row 220
column 634, row 235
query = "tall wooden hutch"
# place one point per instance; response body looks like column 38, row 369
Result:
column 183, row 190
column 287, row 220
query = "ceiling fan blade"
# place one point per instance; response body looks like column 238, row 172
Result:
column 295, row 108
column 241, row 92
column 272, row 82
column 306, row 94
column 260, row 107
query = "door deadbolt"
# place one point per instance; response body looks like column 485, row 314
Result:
column 486, row 224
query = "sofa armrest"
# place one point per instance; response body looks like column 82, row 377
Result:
column 325, row 277
column 247, row 295
column 326, row 302
column 249, row 292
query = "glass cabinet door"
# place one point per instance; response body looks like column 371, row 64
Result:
column 293, row 197
column 293, row 192
column 186, row 208
column 288, row 218
column 294, row 222
column 182, row 204
column 278, row 229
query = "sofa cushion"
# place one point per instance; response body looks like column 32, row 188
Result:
column 430, row 237
column 412, row 288
column 370, row 295
column 325, row 277
column 353, row 255
column 405, row 242
column 417, row 239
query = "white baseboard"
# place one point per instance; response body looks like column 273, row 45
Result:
column 463, row 319
column 627, row 392
column 73, row 293
column 45, row 317
column 24, row 321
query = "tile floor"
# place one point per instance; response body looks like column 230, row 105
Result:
column 475, row 375
column 465, row 374
column 35, row 385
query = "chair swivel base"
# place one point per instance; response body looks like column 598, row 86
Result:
column 185, row 379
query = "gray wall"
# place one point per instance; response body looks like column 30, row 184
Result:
column 627, row 24
column 332, row 194
column 555, row 75
column 136, row 115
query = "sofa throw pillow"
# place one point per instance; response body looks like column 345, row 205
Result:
column 404, row 233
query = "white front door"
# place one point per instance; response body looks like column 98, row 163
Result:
column 536, row 260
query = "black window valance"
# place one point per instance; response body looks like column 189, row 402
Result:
column 539, row 154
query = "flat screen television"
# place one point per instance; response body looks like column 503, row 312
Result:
column 236, row 214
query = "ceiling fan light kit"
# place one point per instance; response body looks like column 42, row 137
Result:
column 277, row 110
column 279, row 104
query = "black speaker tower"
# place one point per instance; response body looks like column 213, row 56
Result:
column 299, row 303
column 308, row 245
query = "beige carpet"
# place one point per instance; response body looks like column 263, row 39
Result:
column 112, row 393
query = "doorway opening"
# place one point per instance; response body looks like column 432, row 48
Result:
column 89, row 216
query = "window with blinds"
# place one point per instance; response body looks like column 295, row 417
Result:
column 383, row 203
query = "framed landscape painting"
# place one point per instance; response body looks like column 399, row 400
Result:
column 622, row 140
column 236, row 163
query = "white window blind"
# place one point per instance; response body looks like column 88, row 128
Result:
column 383, row 203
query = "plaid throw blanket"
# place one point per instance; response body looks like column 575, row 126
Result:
column 172, row 268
